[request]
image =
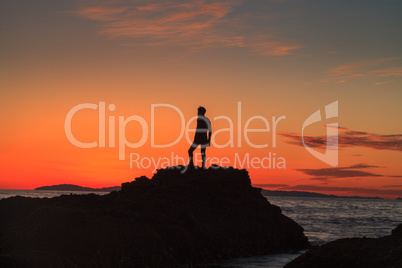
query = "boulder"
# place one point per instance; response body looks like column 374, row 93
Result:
column 355, row 252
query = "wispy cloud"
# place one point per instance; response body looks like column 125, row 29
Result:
column 324, row 174
column 383, row 83
column 270, row 185
column 356, row 68
column 193, row 24
column 392, row 186
column 274, row 48
column 350, row 138
column 157, row 19
column 396, row 72
column 374, row 68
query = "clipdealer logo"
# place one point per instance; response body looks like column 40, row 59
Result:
column 108, row 138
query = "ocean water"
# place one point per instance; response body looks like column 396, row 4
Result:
column 323, row 220
column 41, row 193
column 328, row 219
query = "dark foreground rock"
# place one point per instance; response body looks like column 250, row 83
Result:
column 172, row 220
column 355, row 252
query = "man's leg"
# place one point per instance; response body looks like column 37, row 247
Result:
column 204, row 157
column 190, row 154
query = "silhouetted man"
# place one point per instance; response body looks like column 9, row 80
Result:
column 200, row 137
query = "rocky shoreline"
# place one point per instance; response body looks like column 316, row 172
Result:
column 171, row 220
column 383, row 252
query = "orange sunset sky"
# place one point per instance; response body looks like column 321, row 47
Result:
column 272, row 58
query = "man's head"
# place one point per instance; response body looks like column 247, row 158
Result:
column 201, row 110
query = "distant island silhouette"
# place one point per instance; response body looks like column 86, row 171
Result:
column 309, row 194
column 172, row 220
column 72, row 187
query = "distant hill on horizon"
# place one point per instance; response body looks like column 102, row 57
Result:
column 308, row 194
column 72, row 187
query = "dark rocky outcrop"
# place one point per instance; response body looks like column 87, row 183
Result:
column 173, row 219
column 355, row 252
